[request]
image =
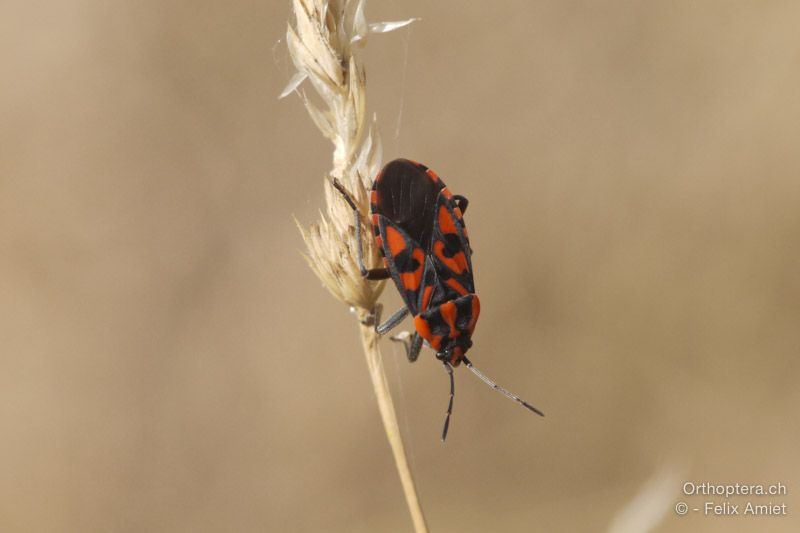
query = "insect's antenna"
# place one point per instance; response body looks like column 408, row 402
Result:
column 500, row 389
column 449, row 370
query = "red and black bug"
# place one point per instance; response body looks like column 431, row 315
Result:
column 419, row 228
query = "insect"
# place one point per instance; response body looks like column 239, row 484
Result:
column 419, row 228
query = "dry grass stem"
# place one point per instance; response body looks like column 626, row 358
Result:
column 323, row 45
column 369, row 339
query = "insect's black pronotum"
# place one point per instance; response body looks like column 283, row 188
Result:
column 419, row 228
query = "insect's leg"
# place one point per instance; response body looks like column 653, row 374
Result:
column 412, row 344
column 392, row 321
column 461, row 202
column 449, row 370
column 416, row 346
column 374, row 273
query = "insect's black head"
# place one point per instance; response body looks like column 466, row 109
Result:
column 455, row 350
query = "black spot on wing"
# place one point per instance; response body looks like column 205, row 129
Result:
column 453, row 244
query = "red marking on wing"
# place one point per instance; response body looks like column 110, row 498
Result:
column 446, row 222
column 395, row 240
column 409, row 280
column 456, row 286
column 432, row 175
column 419, row 255
column 449, row 313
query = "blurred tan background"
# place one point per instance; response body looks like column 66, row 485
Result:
column 169, row 363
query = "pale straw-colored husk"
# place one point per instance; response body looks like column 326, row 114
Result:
column 323, row 44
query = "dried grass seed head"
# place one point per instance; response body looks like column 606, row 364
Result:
column 322, row 47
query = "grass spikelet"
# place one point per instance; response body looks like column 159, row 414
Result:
column 323, row 44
